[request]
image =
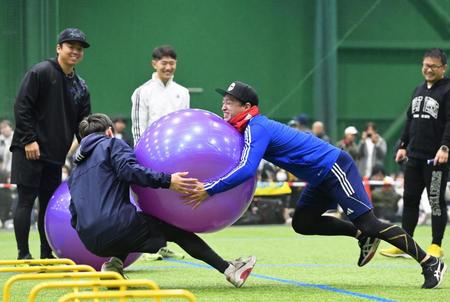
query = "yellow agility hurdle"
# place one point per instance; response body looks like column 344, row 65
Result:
column 171, row 293
column 37, row 262
column 83, row 275
column 121, row 285
column 47, row 268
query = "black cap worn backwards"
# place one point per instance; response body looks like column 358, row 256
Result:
column 243, row 92
column 73, row 34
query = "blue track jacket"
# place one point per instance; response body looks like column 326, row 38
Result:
column 301, row 153
column 99, row 188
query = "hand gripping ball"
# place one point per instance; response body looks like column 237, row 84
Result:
column 207, row 147
column 63, row 239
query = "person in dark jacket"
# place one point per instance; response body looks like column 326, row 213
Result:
column 106, row 221
column 425, row 144
column 51, row 102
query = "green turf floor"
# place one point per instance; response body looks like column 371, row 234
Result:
column 289, row 268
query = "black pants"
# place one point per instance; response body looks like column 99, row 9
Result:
column 34, row 179
column 309, row 221
column 150, row 234
column 420, row 175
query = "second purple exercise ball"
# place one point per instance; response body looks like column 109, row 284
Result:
column 206, row 146
column 63, row 239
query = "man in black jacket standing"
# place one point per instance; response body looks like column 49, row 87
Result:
column 51, row 102
column 425, row 145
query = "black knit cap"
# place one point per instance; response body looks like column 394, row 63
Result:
column 243, row 92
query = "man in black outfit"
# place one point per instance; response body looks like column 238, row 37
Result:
column 425, row 145
column 51, row 102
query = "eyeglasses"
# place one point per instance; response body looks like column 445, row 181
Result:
column 433, row 67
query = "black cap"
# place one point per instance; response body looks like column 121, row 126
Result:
column 243, row 92
column 73, row 34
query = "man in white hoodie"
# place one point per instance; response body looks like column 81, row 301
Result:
column 155, row 98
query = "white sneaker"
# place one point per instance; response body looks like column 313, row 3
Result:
column 239, row 270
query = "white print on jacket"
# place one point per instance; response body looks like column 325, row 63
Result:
column 430, row 107
column 416, row 104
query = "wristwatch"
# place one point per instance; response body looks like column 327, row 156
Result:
column 444, row 148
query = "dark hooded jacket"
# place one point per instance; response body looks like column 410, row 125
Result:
column 99, row 188
column 48, row 109
column 428, row 120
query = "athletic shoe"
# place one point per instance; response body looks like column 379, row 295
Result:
column 239, row 270
column 151, row 257
column 165, row 252
column 368, row 246
column 25, row 257
column 48, row 256
column 433, row 271
column 394, row 252
column 113, row 265
column 435, row 251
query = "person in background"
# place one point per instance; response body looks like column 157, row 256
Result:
column 372, row 150
column 51, row 102
column 318, row 129
column 6, row 199
column 120, row 125
column 303, row 122
column 384, row 197
column 348, row 143
column 424, row 147
column 293, row 124
column 152, row 100
column 6, row 132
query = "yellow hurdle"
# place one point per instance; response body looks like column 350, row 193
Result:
column 122, row 285
column 86, row 275
column 37, row 262
column 171, row 293
column 47, row 268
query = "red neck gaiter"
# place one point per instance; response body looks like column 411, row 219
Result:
column 240, row 121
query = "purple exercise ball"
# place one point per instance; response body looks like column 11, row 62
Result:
column 203, row 144
column 63, row 239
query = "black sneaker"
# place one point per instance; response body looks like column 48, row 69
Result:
column 27, row 256
column 24, row 257
column 368, row 246
column 433, row 271
column 48, row 256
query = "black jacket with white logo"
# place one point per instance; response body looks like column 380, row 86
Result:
column 428, row 120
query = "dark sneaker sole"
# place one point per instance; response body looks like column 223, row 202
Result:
column 372, row 253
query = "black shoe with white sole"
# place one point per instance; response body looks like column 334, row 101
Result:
column 433, row 271
column 368, row 246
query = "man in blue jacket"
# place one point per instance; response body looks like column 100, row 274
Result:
column 105, row 220
column 332, row 178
